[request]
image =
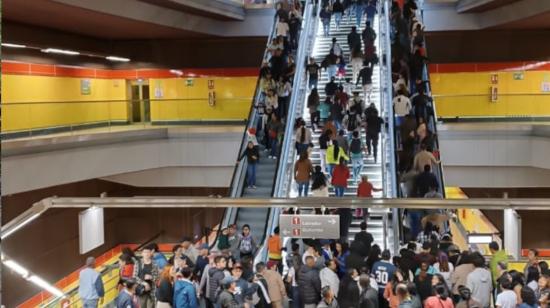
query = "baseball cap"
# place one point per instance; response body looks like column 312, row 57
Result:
column 227, row 280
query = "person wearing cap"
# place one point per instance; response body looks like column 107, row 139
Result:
column 90, row 289
column 276, row 287
column 202, row 259
column 226, row 299
column 185, row 294
column 242, row 290
column 465, row 300
column 126, row 298
column 454, row 254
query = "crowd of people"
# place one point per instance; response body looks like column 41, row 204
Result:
column 319, row 274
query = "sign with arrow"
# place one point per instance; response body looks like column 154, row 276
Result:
column 310, row 226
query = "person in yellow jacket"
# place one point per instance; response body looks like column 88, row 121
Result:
column 334, row 153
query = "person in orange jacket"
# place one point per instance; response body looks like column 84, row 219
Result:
column 274, row 248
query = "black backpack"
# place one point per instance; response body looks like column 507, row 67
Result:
column 355, row 146
column 352, row 121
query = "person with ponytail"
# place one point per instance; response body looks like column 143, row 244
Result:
column 333, row 156
column 303, row 137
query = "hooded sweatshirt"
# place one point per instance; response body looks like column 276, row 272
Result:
column 480, row 283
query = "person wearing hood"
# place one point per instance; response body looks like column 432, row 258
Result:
column 185, row 295
column 479, row 281
column 309, row 283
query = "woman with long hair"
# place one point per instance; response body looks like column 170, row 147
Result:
column 334, row 155
column 165, row 291
column 340, row 255
column 313, row 102
column 445, row 268
column 303, row 137
column 319, row 186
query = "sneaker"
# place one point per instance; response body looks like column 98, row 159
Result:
column 274, row 157
column 270, row 156
column 254, row 187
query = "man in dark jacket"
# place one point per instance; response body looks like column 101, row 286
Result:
column 227, row 296
column 354, row 39
column 356, row 258
column 369, row 296
column 424, row 181
column 215, row 275
column 331, row 87
column 309, row 284
column 374, row 126
column 364, row 237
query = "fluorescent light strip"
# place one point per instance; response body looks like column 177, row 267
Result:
column 16, row 267
column 13, row 45
column 20, row 225
column 61, row 51
column 117, row 59
column 46, row 286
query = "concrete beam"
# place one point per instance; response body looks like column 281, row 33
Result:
column 255, row 23
column 447, row 17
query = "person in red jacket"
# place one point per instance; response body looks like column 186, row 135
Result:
column 340, row 176
column 364, row 190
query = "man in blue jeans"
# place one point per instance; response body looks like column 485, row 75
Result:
column 91, row 289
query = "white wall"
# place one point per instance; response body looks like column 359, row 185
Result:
column 489, row 155
column 181, row 148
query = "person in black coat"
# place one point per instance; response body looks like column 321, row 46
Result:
column 356, row 258
column 309, row 282
column 424, row 181
column 252, row 156
column 349, row 293
column 365, row 238
column 354, row 39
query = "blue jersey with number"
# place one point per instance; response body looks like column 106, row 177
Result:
column 383, row 272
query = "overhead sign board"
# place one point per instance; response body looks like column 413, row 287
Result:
column 310, row 226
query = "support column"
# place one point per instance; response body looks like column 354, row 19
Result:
column 512, row 233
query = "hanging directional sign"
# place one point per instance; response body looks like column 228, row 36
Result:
column 310, row 226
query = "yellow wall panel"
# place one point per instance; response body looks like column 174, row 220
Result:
column 468, row 94
column 181, row 101
column 32, row 102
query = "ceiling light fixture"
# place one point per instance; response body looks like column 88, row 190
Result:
column 117, row 59
column 176, row 72
column 10, row 45
column 61, row 51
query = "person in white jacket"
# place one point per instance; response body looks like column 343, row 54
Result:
column 329, row 277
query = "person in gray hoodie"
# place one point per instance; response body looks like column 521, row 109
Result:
column 480, row 282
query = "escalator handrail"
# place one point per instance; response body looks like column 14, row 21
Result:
column 433, row 117
column 237, row 178
column 287, row 148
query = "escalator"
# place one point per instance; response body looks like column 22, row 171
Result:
column 263, row 220
column 431, row 122
column 318, row 47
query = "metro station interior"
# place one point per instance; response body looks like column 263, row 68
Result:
column 175, row 127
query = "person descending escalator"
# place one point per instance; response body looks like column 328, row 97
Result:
column 303, row 170
column 313, row 103
column 365, row 76
column 252, row 156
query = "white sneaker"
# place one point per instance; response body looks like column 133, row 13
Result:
column 274, row 157
column 270, row 156
column 254, row 187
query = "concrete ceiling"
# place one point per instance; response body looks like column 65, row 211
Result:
column 73, row 19
column 142, row 19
